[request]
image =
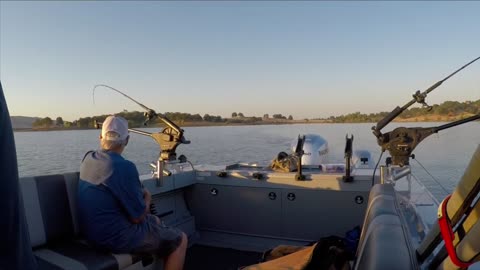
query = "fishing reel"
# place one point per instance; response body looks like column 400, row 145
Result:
column 168, row 140
column 401, row 142
column 420, row 98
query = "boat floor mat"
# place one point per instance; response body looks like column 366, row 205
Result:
column 214, row 258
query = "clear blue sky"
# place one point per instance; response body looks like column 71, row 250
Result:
column 308, row 59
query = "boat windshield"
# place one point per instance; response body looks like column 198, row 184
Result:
column 417, row 204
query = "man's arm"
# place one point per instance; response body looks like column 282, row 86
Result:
column 126, row 186
column 148, row 200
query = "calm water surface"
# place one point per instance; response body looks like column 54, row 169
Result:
column 445, row 155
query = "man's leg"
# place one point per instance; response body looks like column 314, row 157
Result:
column 175, row 260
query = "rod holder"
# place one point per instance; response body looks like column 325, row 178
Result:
column 348, row 158
column 159, row 172
column 399, row 174
column 383, row 170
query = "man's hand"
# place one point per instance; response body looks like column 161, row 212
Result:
column 148, row 200
column 157, row 219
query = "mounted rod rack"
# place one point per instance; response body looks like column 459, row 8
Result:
column 348, row 158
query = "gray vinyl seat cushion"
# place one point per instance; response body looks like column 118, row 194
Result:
column 72, row 254
column 384, row 243
column 50, row 209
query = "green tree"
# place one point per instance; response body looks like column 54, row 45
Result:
column 278, row 116
column 37, row 123
column 290, row 117
column 197, row 118
column 86, row 122
column 59, row 121
column 43, row 122
column 234, row 114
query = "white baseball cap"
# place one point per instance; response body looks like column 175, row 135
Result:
column 117, row 124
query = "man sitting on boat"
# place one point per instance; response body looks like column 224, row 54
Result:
column 114, row 208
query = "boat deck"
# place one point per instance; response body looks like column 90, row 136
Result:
column 214, row 258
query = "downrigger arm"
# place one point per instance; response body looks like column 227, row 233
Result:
column 402, row 141
column 168, row 139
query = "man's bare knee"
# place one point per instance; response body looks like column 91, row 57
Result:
column 184, row 241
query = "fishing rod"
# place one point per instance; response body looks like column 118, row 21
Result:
column 168, row 139
column 402, row 141
column 149, row 113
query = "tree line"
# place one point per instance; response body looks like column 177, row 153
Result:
column 265, row 116
column 447, row 108
column 47, row 122
column 137, row 119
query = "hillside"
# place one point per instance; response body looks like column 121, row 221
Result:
column 22, row 122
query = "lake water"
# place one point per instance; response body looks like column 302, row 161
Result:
column 445, row 155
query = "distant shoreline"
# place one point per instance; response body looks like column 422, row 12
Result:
column 189, row 124
column 428, row 118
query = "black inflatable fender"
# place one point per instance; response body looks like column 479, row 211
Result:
column 15, row 248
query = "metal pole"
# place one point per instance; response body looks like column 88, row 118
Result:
column 382, row 174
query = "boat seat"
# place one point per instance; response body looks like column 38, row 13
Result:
column 50, row 210
column 384, row 242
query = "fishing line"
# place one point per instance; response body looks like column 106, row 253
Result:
column 374, row 170
column 425, row 190
column 434, row 179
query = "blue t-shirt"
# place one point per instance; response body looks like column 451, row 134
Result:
column 109, row 196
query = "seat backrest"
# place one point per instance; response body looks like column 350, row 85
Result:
column 50, row 207
column 384, row 243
